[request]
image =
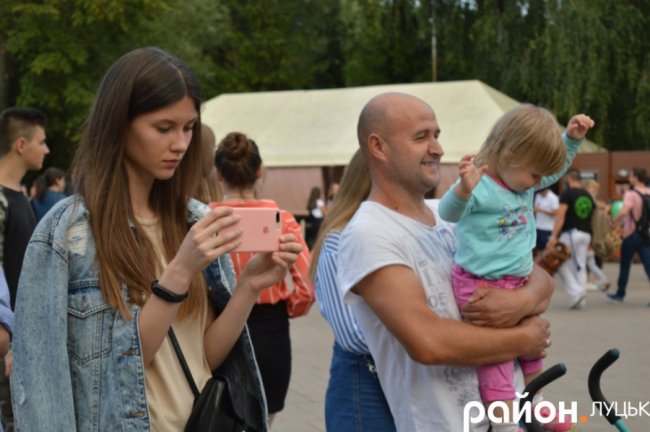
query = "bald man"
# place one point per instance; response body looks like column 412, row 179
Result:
column 395, row 261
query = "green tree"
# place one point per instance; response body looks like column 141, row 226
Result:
column 274, row 45
column 57, row 50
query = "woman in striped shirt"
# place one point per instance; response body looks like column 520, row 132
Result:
column 239, row 165
column 354, row 399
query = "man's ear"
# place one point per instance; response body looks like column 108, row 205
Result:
column 19, row 145
column 377, row 146
column 259, row 173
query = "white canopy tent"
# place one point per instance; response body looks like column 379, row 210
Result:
column 299, row 132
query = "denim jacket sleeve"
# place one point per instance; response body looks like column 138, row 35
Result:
column 41, row 383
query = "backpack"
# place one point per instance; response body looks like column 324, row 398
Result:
column 643, row 224
column 601, row 241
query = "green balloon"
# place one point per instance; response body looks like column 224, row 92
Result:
column 616, row 207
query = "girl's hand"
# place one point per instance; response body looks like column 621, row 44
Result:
column 578, row 126
column 266, row 269
column 470, row 175
column 203, row 243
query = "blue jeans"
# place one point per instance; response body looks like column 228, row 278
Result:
column 631, row 244
column 355, row 401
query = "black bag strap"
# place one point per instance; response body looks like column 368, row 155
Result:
column 641, row 195
column 181, row 360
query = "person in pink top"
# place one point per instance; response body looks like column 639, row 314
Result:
column 633, row 241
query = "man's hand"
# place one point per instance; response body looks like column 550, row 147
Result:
column 499, row 308
column 578, row 126
column 539, row 332
column 494, row 307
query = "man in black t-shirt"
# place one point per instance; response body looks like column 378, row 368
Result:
column 22, row 149
column 573, row 227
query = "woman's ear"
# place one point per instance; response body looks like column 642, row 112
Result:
column 218, row 175
column 259, row 173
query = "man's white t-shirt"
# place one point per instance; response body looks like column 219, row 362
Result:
column 421, row 397
column 550, row 202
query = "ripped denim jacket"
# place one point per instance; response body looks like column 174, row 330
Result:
column 77, row 363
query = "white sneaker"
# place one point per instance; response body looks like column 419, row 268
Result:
column 591, row 286
column 580, row 303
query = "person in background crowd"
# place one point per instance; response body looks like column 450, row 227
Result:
column 110, row 271
column 633, row 241
column 573, row 228
column 22, row 148
column 354, row 400
column 595, row 263
column 331, row 194
column 49, row 190
column 6, row 327
column 317, row 210
column 545, row 206
column 239, row 165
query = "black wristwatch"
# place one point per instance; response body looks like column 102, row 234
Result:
column 165, row 294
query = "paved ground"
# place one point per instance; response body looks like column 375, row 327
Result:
column 579, row 339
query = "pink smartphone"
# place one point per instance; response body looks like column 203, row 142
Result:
column 261, row 229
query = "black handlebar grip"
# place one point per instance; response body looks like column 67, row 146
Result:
column 536, row 385
column 594, row 382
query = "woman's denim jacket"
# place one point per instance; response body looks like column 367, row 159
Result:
column 77, row 362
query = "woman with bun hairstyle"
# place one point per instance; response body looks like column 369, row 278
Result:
column 110, row 270
column 239, row 166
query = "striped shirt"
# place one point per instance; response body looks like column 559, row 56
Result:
column 298, row 297
column 338, row 314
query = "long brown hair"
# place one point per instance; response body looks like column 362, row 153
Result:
column 208, row 190
column 353, row 190
column 141, row 81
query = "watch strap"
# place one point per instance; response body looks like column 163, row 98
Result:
column 165, row 294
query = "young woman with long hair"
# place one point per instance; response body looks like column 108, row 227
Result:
column 354, row 399
column 113, row 268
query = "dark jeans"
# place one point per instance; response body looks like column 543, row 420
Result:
column 355, row 401
column 542, row 239
column 632, row 244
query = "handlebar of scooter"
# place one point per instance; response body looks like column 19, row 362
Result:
column 594, row 383
column 536, row 385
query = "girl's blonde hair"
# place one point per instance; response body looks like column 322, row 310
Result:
column 139, row 82
column 526, row 136
column 353, row 190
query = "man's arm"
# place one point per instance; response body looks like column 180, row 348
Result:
column 496, row 307
column 431, row 339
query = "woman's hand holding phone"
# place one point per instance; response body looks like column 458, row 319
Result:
column 265, row 269
column 205, row 242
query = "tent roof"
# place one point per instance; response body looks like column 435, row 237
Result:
column 318, row 127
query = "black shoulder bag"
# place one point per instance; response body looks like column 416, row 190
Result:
column 213, row 409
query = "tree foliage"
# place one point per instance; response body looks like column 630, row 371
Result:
column 568, row 55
